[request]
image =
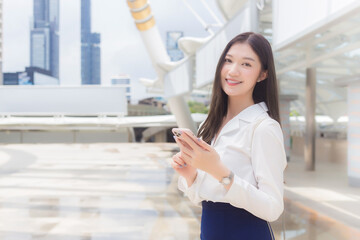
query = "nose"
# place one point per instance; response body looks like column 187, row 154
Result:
column 234, row 70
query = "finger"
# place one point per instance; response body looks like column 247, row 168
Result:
column 204, row 144
column 186, row 158
column 182, row 146
column 178, row 160
column 175, row 165
column 198, row 141
column 186, row 150
column 178, row 155
column 184, row 143
column 191, row 135
column 189, row 140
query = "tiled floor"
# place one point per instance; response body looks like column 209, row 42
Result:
column 114, row 191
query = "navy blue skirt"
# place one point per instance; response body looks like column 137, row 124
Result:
column 224, row 221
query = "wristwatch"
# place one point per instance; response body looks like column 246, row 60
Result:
column 227, row 180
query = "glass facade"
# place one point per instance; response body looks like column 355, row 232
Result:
column 44, row 36
column 40, row 48
column 124, row 81
column 90, row 48
column 11, row 79
column 24, row 79
column 31, row 76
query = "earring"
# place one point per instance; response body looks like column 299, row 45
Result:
column 258, row 81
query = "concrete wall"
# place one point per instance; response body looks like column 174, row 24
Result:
column 76, row 136
column 62, row 100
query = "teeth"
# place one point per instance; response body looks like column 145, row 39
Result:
column 233, row 82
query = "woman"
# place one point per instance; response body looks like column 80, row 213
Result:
column 235, row 168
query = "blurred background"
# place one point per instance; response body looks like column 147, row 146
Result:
column 90, row 89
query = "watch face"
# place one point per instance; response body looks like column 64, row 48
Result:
column 226, row 181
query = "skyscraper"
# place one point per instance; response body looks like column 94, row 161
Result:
column 44, row 36
column 1, row 43
column 90, row 47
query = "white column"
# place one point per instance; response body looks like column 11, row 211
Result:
column 254, row 16
column 160, row 136
column 145, row 22
column 310, row 130
column 285, row 120
column 180, row 109
column 353, row 134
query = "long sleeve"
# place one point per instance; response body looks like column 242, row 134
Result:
column 192, row 192
column 268, row 162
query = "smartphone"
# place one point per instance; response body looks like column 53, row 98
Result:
column 177, row 131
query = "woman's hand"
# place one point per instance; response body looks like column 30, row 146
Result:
column 185, row 170
column 199, row 154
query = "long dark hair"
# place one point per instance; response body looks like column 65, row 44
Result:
column 264, row 91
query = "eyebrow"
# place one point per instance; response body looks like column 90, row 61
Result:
column 248, row 58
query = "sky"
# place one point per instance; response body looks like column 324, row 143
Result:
column 122, row 49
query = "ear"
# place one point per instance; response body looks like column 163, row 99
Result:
column 263, row 75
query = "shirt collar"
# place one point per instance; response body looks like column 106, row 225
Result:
column 252, row 112
column 249, row 114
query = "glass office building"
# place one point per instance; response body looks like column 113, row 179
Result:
column 90, row 48
column 44, row 36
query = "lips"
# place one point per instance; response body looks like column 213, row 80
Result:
column 232, row 82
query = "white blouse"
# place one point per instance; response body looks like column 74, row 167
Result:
column 257, row 159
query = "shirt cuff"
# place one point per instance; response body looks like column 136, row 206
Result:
column 237, row 191
column 182, row 184
column 192, row 191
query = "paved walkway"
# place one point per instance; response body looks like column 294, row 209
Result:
column 91, row 191
column 329, row 206
column 128, row 191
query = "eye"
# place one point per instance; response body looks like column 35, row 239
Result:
column 227, row 60
column 247, row 64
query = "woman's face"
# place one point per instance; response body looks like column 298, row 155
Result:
column 241, row 71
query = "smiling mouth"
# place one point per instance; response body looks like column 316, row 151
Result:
column 231, row 82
